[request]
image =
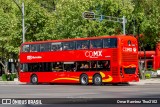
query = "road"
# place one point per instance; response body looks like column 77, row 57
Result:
column 78, row 91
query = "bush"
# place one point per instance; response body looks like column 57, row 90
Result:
column 12, row 77
column 8, row 77
column 147, row 76
column 4, row 77
column 150, row 69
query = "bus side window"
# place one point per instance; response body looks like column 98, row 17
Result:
column 25, row 48
column 95, row 43
column 113, row 42
column 42, row 47
column 45, row 47
column 57, row 66
column 104, row 65
column 106, row 43
column 69, row 45
column 24, row 67
column 110, row 43
column 56, row 46
column 83, row 66
column 34, row 48
column 83, row 44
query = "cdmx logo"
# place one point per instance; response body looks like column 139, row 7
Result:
column 93, row 54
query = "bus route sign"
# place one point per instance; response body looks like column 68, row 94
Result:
column 88, row 15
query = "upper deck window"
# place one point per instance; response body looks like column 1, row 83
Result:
column 25, row 48
column 57, row 46
column 68, row 45
column 45, row 47
column 83, row 44
column 96, row 43
column 110, row 43
column 34, row 48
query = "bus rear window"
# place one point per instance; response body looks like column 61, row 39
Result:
column 129, row 70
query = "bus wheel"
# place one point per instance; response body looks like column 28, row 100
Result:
column 34, row 79
column 97, row 79
column 84, row 79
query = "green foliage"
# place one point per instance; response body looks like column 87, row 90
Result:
column 150, row 69
column 12, row 76
column 59, row 19
column 147, row 76
column 4, row 77
column 8, row 77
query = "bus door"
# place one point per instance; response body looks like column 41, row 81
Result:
column 64, row 71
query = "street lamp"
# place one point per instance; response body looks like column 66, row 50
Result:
column 23, row 23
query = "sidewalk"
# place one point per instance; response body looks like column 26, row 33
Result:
column 147, row 81
column 10, row 82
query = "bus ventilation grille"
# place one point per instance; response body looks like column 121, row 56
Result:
column 114, row 71
column 129, row 58
column 114, row 55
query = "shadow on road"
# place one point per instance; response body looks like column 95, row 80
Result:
column 73, row 84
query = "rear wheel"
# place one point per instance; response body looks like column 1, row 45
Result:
column 84, row 79
column 97, row 79
column 34, row 79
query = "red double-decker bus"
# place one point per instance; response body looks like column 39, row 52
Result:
column 97, row 60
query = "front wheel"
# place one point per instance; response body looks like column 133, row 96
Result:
column 34, row 79
column 97, row 79
column 84, row 79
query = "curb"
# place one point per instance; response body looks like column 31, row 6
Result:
column 10, row 83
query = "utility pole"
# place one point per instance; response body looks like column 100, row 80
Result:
column 124, row 25
column 23, row 22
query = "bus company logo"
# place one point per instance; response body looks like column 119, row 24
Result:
column 126, row 49
column 134, row 49
column 33, row 57
column 6, row 101
column 93, row 54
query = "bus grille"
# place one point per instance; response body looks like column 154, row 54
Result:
column 114, row 55
column 129, row 58
column 129, row 70
column 114, row 71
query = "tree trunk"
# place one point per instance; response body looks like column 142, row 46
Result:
column 142, row 72
column 5, row 68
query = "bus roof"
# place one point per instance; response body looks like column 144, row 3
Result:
column 74, row 39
